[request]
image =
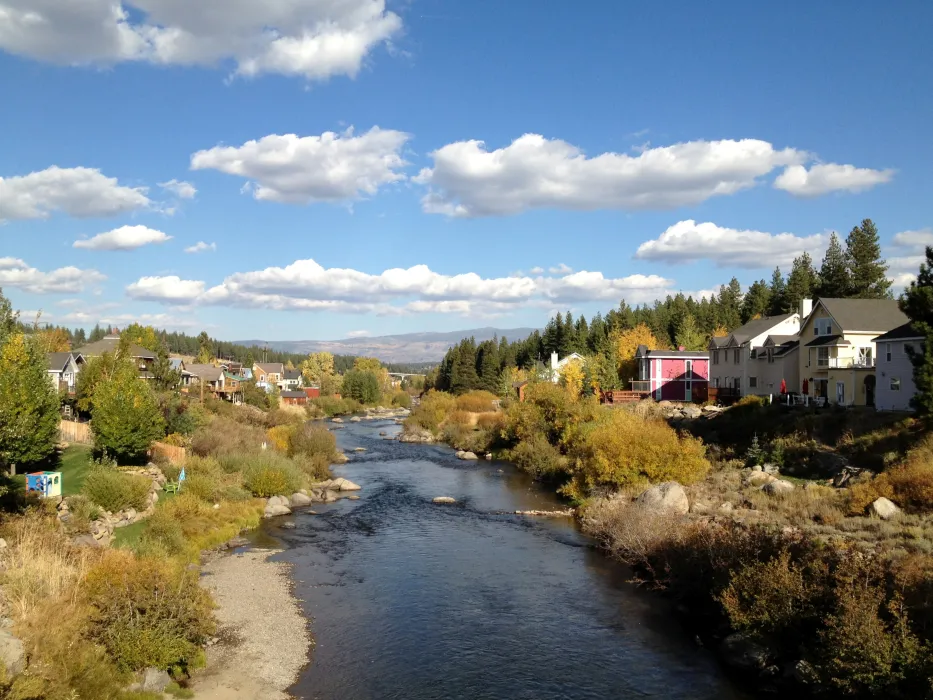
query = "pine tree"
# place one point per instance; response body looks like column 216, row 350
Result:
column 834, row 272
column 800, row 283
column 757, row 301
column 867, row 269
column 917, row 304
column 28, row 403
column 463, row 376
column 689, row 336
column 164, row 376
column 730, row 301
column 778, row 289
column 487, row 362
column 205, row 353
column 97, row 333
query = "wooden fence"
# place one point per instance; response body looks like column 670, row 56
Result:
column 71, row 431
column 175, row 455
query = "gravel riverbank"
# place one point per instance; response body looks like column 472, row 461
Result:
column 264, row 638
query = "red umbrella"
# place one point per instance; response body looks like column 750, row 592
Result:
column 783, row 387
column 806, row 387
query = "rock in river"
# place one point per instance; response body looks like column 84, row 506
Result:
column 444, row 499
column 300, row 499
column 466, row 455
column 273, row 511
column 342, row 484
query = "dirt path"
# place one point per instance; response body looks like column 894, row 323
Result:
column 264, row 639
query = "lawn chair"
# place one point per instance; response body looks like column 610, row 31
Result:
column 170, row 487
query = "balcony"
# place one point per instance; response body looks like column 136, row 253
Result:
column 642, row 386
column 848, row 362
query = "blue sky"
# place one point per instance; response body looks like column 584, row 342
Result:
column 628, row 150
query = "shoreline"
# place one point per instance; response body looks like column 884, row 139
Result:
column 263, row 640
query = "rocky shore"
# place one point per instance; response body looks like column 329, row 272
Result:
column 263, row 641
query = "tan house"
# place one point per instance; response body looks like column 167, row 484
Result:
column 734, row 359
column 837, row 348
column 268, row 372
column 142, row 358
column 778, row 362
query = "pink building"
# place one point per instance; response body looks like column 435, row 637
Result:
column 672, row 375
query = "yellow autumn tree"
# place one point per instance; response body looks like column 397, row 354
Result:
column 318, row 369
column 720, row 332
column 53, row 340
column 374, row 366
column 571, row 378
column 626, row 344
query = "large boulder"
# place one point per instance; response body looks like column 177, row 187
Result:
column 300, row 499
column 692, row 412
column 466, row 455
column 884, row 509
column 342, row 484
column 355, row 419
column 277, row 501
column 741, row 650
column 273, row 511
column 669, row 496
column 759, row 479
column 444, row 499
column 154, row 680
column 778, row 487
column 12, row 654
column 416, row 434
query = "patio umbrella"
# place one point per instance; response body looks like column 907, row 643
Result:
column 806, row 387
column 783, row 387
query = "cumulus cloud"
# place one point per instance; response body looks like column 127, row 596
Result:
column 123, row 238
column 314, row 39
column 560, row 269
column 916, row 240
column 537, row 173
column 201, row 247
column 302, row 169
column 688, row 241
column 910, row 247
column 65, row 280
column 536, row 270
column 358, row 334
column 171, row 289
column 823, row 178
column 306, row 285
column 179, row 188
column 81, row 192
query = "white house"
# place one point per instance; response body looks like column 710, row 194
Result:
column 894, row 371
column 733, row 362
column 63, row 369
column 557, row 366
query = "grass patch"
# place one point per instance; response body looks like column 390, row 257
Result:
column 75, row 465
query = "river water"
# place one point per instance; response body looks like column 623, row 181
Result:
column 409, row 600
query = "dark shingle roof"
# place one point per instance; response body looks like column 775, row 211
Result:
column 719, row 341
column 828, row 340
column 58, row 360
column 293, row 374
column 294, row 395
column 110, row 345
column 271, row 367
column 207, row 372
column 689, row 354
column 781, row 339
column 865, row 315
column 904, row 332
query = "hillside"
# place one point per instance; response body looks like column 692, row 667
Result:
column 406, row 347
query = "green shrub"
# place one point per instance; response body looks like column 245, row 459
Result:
column 83, row 512
column 539, row 458
column 271, row 475
column 316, row 467
column 163, row 536
column 401, row 399
column 433, row 410
column 311, row 440
column 149, row 612
column 203, row 486
column 114, row 491
column 331, row 406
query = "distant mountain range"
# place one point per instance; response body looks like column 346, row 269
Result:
column 406, row 347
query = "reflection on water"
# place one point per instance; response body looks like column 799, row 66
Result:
column 409, row 600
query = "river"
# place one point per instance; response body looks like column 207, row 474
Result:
column 409, row 600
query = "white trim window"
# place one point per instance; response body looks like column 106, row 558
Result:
column 715, row 357
column 753, row 382
column 887, row 352
column 895, row 384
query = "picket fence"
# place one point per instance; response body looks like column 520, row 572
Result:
column 175, row 455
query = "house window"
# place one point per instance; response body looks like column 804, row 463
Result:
column 754, row 353
column 895, row 384
column 715, row 357
column 770, row 356
column 822, row 357
column 907, row 349
column 753, row 382
column 715, row 382
column 689, row 367
column 735, row 356
column 737, row 383
column 887, row 351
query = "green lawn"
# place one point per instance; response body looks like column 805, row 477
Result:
column 76, row 460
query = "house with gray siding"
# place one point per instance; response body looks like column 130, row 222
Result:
column 894, row 370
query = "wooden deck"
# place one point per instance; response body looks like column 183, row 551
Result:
column 620, row 397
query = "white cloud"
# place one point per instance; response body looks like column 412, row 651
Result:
column 65, row 280
column 81, row 192
column 170, row 289
column 687, row 241
column 916, row 240
column 536, row 270
column 314, row 39
column 201, row 247
column 823, row 178
column 306, row 285
column 123, row 238
column 536, row 173
column 358, row 334
column 560, row 269
column 179, row 188
column 327, row 168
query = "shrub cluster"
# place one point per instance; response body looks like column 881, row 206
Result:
column 909, row 484
column 114, row 491
column 270, row 474
column 477, row 401
column 433, row 410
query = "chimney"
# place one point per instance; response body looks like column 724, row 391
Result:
column 553, row 360
column 806, row 306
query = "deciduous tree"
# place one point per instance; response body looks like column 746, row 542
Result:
column 126, row 419
column 53, row 340
column 689, row 336
column 28, row 403
column 626, row 345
